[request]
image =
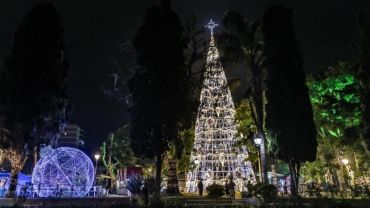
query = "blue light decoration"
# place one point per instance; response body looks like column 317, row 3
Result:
column 63, row 172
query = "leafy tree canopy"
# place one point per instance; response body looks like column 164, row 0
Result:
column 117, row 146
column 335, row 97
column 246, row 128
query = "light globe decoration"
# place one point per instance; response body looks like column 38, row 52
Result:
column 214, row 158
column 63, row 172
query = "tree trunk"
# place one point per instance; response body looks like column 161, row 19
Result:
column 13, row 183
column 298, row 168
column 258, row 120
column 35, row 155
column 158, row 173
column 263, row 159
column 364, row 145
column 112, row 176
column 292, row 186
column 172, row 182
column 113, row 183
column 17, row 160
column 294, row 179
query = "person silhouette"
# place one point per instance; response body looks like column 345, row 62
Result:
column 226, row 187
column 200, row 187
column 232, row 189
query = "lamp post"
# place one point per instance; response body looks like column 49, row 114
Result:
column 345, row 174
column 97, row 157
column 345, row 161
column 257, row 141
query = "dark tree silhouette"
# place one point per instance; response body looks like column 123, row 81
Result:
column 364, row 76
column 242, row 41
column 32, row 84
column 288, row 110
column 160, row 87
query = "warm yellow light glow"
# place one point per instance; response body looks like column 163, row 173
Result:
column 345, row 161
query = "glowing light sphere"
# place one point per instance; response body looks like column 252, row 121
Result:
column 63, row 172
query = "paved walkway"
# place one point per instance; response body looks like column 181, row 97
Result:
column 112, row 200
column 215, row 202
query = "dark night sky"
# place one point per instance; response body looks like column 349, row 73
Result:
column 95, row 28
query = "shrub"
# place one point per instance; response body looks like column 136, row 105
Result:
column 134, row 184
column 246, row 194
column 268, row 192
column 265, row 193
column 215, row 190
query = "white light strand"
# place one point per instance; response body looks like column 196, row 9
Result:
column 211, row 26
column 213, row 158
column 63, row 172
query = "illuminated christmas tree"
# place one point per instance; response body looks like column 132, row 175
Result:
column 214, row 157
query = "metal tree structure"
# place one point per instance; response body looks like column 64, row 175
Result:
column 214, row 157
column 63, row 172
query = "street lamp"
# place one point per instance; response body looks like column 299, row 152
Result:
column 97, row 157
column 257, row 141
column 345, row 162
column 345, row 174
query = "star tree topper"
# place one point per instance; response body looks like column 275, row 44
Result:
column 211, row 25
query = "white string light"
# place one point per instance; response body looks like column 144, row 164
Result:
column 211, row 25
column 213, row 157
column 63, row 172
